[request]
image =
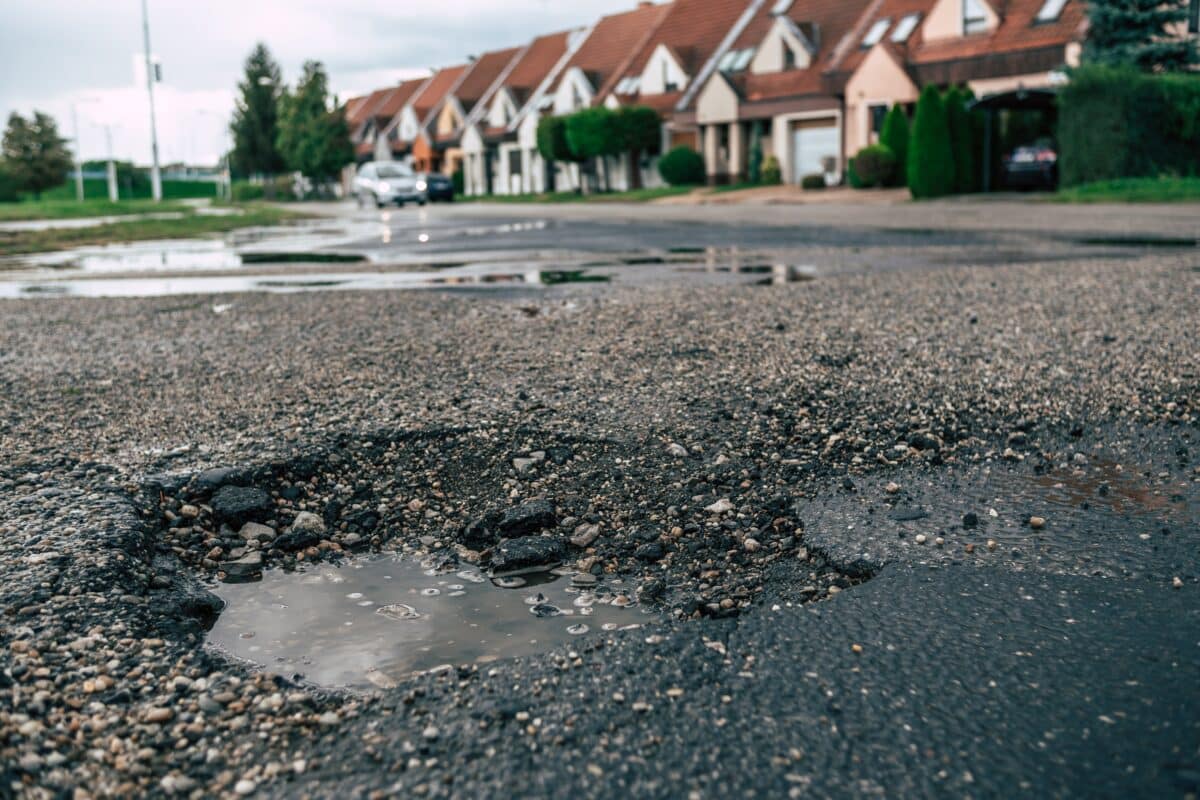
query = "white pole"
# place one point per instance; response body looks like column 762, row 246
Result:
column 155, row 176
column 112, row 166
column 78, row 158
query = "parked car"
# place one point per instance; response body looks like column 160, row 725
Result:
column 436, row 186
column 387, row 182
column 1032, row 166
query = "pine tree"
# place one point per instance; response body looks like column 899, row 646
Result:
column 255, row 125
column 35, row 156
column 962, row 140
column 930, row 157
column 1135, row 32
column 314, row 138
column 895, row 136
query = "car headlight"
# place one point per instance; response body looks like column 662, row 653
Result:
column 385, row 187
column 421, row 186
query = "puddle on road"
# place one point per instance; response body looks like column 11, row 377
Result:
column 371, row 622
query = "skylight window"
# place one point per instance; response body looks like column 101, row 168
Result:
column 781, row 7
column 1051, row 10
column 743, row 60
column 875, row 34
column 974, row 17
column 726, row 62
column 905, row 27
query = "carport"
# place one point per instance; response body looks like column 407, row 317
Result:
column 1043, row 100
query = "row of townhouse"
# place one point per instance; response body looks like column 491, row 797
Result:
column 809, row 80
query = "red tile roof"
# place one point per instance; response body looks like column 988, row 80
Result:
column 537, row 61
column 353, row 109
column 482, row 75
column 370, row 103
column 692, row 30
column 1018, row 30
column 615, row 41
column 399, row 96
column 436, row 89
column 851, row 53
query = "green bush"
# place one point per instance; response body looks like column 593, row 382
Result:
column 552, row 139
column 682, row 166
column 930, row 157
column 772, row 175
column 458, row 181
column 1116, row 122
column 875, row 166
column 962, row 140
column 894, row 136
column 813, row 181
column 244, row 192
column 8, row 187
column 852, row 175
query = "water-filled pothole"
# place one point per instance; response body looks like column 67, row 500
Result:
column 372, row 622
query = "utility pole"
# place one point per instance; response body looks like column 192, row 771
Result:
column 112, row 167
column 78, row 158
column 155, row 176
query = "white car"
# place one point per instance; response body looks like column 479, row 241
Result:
column 387, row 182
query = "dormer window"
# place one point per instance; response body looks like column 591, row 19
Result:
column 1051, row 11
column 905, row 27
column 668, row 84
column 789, row 57
column 975, row 19
column 876, row 32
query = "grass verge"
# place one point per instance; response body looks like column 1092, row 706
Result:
column 73, row 209
column 1133, row 190
column 189, row 226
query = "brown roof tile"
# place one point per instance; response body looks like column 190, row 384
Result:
column 436, row 89
column 399, row 96
column 614, row 41
column 1018, row 30
column 692, row 30
column 482, row 75
column 537, row 61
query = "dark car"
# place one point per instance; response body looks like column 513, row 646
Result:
column 437, row 186
column 1032, row 166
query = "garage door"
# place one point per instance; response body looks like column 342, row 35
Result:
column 811, row 145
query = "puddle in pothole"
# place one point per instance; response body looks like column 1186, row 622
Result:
column 371, row 622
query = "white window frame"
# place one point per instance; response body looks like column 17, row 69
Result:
column 1050, row 11
column 781, row 7
column 877, row 31
column 976, row 24
column 905, row 27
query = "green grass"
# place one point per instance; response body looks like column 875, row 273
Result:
column 634, row 196
column 189, row 226
column 72, row 209
column 1133, row 190
column 97, row 189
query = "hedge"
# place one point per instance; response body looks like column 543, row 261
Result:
column 962, row 140
column 1116, row 122
column 930, row 157
column 875, row 166
column 895, row 137
column 682, row 166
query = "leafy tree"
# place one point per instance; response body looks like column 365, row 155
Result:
column 682, row 166
column 593, row 134
column 35, row 156
column 963, row 141
column 930, row 157
column 314, row 138
column 552, row 144
column 8, row 187
column 255, row 125
column 639, row 131
column 1138, row 33
column 895, row 137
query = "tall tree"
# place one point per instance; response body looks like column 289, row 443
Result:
column 930, row 157
column 35, row 156
column 314, row 138
column 255, row 125
column 640, row 131
column 1141, row 33
column 895, row 135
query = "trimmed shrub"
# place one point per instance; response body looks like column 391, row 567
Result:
column 813, row 181
column 682, row 166
column 875, row 166
column 244, row 192
column 962, row 140
column 1116, row 122
column 894, row 136
column 772, row 175
column 852, row 175
column 930, row 157
column 552, row 139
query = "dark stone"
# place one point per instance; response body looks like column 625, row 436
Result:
column 166, row 482
column 970, row 519
column 651, row 552
column 238, row 505
column 924, row 441
column 848, row 484
column 650, row 590
column 528, row 553
column 245, row 569
column 481, row 533
column 559, row 454
column 210, row 480
column 296, row 540
column 909, row 514
column 528, row 518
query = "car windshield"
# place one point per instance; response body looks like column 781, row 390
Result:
column 394, row 171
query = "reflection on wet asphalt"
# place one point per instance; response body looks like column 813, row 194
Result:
column 373, row 621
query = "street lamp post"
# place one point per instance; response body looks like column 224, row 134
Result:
column 155, row 175
column 78, row 157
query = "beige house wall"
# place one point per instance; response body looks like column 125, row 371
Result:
column 769, row 57
column 717, row 102
column 946, row 20
column 1036, row 80
column 878, row 80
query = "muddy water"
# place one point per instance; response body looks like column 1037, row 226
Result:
column 374, row 621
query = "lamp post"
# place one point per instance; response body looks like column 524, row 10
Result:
column 78, row 157
column 155, row 175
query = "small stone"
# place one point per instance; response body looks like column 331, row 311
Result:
column 653, row 551
column 920, row 538
column 991, row 544
column 677, row 450
column 157, row 716
column 892, row 488
column 752, row 545
column 1177, row 582
column 245, row 787
column 720, row 507
column 528, row 518
column 856, row 648
column 257, row 531
column 329, row 718
column 939, row 541
column 190, row 511
column 305, row 531
column 1037, row 523
column 431, row 732
column 970, row 519
column 528, row 553
column 238, row 504
column 585, row 535
column 247, row 568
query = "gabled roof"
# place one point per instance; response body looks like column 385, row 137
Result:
column 366, row 109
column 851, row 51
column 481, row 76
column 353, row 109
column 1018, row 30
column 436, row 89
column 536, row 62
column 692, row 30
column 391, row 106
column 613, row 42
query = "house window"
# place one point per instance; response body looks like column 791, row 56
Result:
column 974, row 17
column 514, row 162
column 789, row 57
column 1051, row 11
column 743, row 59
column 878, row 112
column 876, row 32
column 668, row 84
column 905, row 28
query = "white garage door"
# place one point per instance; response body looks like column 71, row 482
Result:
column 811, row 145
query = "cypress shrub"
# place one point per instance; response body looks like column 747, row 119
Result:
column 962, row 140
column 772, row 175
column 930, row 157
column 682, row 166
column 875, row 166
column 1116, row 122
column 895, row 137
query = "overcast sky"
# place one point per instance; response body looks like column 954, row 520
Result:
column 55, row 53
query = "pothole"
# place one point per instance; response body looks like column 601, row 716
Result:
column 375, row 621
